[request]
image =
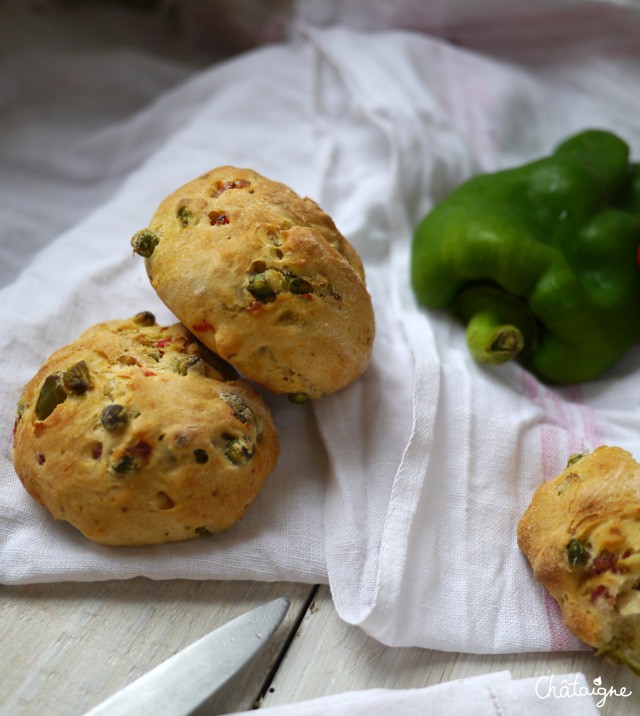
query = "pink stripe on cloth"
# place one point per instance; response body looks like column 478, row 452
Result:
column 569, row 426
column 592, row 430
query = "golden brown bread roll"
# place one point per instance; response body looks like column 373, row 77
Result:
column 264, row 279
column 136, row 434
column 581, row 534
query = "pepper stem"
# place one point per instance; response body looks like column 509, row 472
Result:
column 492, row 342
column 500, row 326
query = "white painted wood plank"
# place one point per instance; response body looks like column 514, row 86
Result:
column 328, row 657
column 66, row 647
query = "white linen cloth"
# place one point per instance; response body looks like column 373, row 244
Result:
column 496, row 694
column 402, row 491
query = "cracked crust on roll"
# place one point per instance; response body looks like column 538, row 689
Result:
column 264, row 279
column 581, row 534
column 136, row 434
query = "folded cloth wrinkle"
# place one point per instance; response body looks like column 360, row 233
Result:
column 446, row 498
column 495, row 694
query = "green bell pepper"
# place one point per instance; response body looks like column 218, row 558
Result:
column 540, row 261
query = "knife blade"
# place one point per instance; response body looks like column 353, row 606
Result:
column 183, row 682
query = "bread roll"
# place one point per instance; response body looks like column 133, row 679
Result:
column 263, row 278
column 581, row 534
column 136, row 434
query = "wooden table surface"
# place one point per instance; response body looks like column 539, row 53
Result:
column 67, row 646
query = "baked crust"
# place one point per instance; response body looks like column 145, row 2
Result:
column 263, row 278
column 581, row 534
column 136, row 434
